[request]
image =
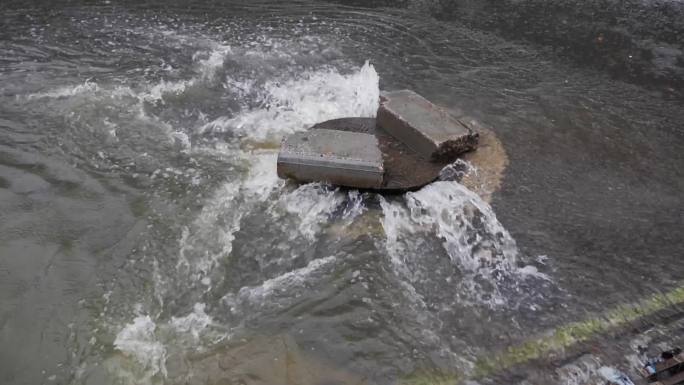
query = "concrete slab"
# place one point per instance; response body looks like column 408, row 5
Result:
column 404, row 168
column 424, row 127
column 339, row 157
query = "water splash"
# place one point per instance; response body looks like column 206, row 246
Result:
column 193, row 323
column 148, row 344
column 316, row 96
column 210, row 237
column 138, row 341
column 295, row 104
column 278, row 291
column 469, row 234
column 472, row 236
column 313, row 204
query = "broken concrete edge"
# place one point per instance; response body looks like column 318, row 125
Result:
column 451, row 149
column 405, row 133
column 437, row 136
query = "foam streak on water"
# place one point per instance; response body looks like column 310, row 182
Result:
column 66, row 91
column 277, row 292
column 149, row 343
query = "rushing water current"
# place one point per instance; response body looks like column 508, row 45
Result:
column 146, row 239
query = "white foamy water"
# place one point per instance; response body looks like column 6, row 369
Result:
column 208, row 67
column 210, row 236
column 148, row 344
column 467, row 229
column 139, row 341
column 161, row 89
column 277, row 292
column 207, row 63
column 313, row 204
column 296, row 104
column 262, row 178
column 472, row 236
column 193, row 323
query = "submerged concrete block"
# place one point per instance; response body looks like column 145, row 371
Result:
column 339, row 157
column 424, row 127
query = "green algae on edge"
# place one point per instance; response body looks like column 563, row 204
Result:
column 576, row 332
column 563, row 337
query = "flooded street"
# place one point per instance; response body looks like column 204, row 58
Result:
column 145, row 237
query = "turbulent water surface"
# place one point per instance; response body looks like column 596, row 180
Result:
column 145, row 238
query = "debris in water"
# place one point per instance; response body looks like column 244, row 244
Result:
column 666, row 369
